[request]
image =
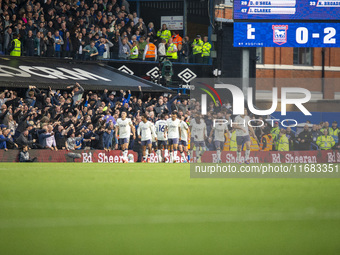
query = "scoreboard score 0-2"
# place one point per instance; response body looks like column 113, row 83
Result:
column 253, row 34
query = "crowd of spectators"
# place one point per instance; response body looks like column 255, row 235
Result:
column 269, row 135
column 88, row 30
column 74, row 119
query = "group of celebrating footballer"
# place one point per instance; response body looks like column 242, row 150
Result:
column 171, row 132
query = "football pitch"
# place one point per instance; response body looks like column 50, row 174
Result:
column 101, row 209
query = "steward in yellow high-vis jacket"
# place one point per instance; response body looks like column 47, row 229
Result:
column 15, row 47
column 325, row 141
column 197, row 49
column 283, row 142
column 164, row 33
column 206, row 47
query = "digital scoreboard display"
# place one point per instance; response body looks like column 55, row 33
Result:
column 287, row 9
column 279, row 34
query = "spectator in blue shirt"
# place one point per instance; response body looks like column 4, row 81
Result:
column 3, row 140
column 58, row 40
column 100, row 45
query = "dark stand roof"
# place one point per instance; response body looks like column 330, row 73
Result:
column 60, row 73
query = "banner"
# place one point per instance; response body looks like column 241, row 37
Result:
column 82, row 156
column 275, row 157
column 115, row 156
column 173, row 22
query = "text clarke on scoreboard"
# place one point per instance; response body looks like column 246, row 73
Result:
column 287, row 9
column 255, row 34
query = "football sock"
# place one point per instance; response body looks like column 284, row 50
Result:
column 218, row 154
column 175, row 154
column 125, row 153
column 183, row 156
column 238, row 156
column 159, row 155
column 197, row 152
column 166, row 153
column 171, row 156
column 247, row 154
column 146, row 153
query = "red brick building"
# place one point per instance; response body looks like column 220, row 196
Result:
column 279, row 64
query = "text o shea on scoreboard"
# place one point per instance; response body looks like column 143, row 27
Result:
column 253, row 34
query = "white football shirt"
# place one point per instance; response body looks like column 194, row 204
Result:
column 219, row 130
column 184, row 131
column 192, row 123
column 145, row 130
column 242, row 122
column 173, row 126
column 153, row 133
column 160, row 126
column 124, row 127
column 199, row 130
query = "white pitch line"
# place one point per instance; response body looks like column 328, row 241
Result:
column 58, row 222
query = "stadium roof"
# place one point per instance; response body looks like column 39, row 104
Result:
column 60, row 73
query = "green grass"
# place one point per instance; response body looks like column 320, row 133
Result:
column 157, row 209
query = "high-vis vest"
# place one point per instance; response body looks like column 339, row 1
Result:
column 275, row 132
column 269, row 143
column 197, row 49
column 334, row 133
column 233, row 143
column 253, row 145
column 206, row 49
column 177, row 40
column 171, row 55
column 323, row 129
column 165, row 34
column 17, row 48
column 226, row 146
column 134, row 52
column 151, row 53
column 283, row 143
column 325, row 142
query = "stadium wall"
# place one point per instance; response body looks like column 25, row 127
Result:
column 84, row 156
column 100, row 156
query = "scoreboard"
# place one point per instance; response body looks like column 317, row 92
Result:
column 279, row 34
column 276, row 23
column 287, row 9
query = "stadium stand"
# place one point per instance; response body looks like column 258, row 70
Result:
column 89, row 30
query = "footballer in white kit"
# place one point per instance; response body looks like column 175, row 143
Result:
column 173, row 127
column 219, row 130
column 242, row 135
column 183, row 143
column 199, row 133
column 162, row 138
column 145, row 132
column 124, row 127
